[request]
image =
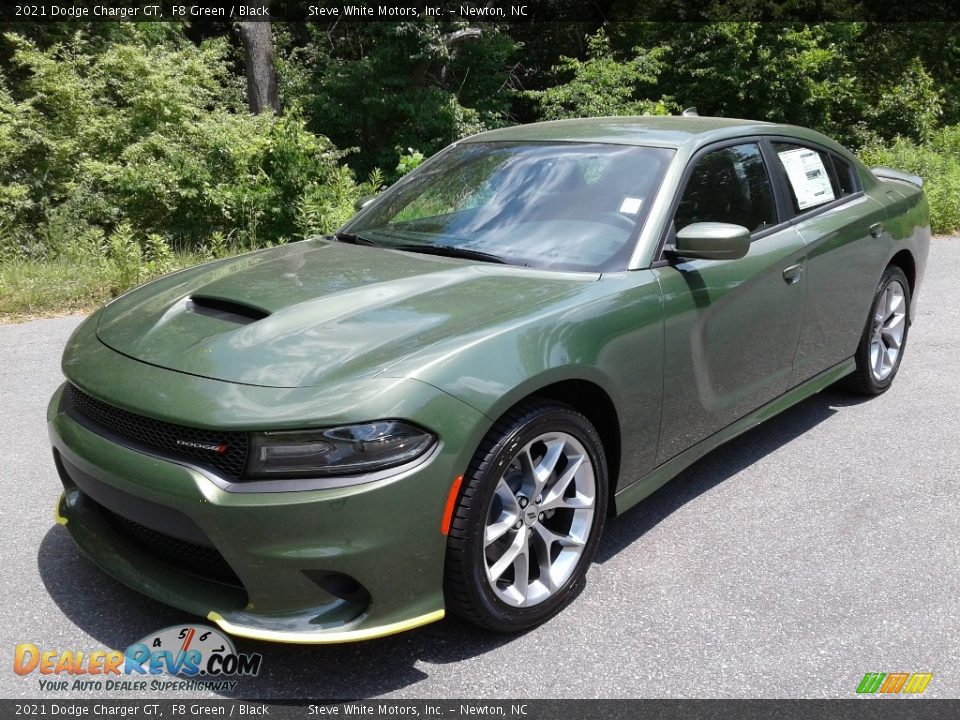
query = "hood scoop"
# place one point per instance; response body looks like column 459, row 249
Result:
column 316, row 314
column 226, row 310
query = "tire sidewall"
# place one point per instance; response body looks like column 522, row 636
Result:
column 550, row 419
column 892, row 273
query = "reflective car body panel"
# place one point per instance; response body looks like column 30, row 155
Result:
column 333, row 311
column 718, row 365
column 668, row 357
column 842, row 263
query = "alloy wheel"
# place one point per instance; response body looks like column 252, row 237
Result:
column 889, row 325
column 539, row 519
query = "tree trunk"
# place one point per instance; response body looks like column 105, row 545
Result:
column 257, row 38
column 444, row 48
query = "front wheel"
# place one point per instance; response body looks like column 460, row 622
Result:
column 528, row 519
column 884, row 337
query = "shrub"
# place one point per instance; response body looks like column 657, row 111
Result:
column 409, row 160
column 326, row 206
column 602, row 85
column 123, row 264
column 374, row 86
column 911, row 106
column 938, row 162
column 157, row 253
column 156, row 137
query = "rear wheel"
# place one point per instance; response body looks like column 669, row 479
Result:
column 528, row 520
column 884, row 337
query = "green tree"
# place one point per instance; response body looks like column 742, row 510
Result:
column 603, row 85
column 376, row 86
column 155, row 135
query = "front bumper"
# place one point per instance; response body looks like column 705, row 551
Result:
column 282, row 547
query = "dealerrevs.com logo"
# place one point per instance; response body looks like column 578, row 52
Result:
column 201, row 658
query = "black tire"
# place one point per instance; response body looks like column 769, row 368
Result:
column 863, row 381
column 468, row 592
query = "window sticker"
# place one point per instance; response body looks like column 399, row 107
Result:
column 631, row 205
column 808, row 177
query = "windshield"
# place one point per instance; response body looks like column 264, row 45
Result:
column 561, row 206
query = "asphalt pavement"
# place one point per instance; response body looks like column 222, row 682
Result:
column 820, row 546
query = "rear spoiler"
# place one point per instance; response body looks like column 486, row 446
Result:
column 885, row 173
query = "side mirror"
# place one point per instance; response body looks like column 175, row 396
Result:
column 361, row 203
column 713, row 241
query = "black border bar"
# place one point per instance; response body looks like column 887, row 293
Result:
column 873, row 708
column 479, row 11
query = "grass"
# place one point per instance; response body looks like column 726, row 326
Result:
column 31, row 287
column 37, row 288
column 41, row 288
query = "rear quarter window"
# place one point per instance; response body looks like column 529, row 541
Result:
column 846, row 177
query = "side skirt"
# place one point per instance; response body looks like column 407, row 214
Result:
column 635, row 492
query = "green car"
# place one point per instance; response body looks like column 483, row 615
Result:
column 437, row 407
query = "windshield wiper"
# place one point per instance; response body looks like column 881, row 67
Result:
column 353, row 239
column 448, row 251
column 444, row 250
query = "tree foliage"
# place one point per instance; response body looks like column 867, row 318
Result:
column 376, row 86
column 823, row 76
column 112, row 134
column 602, row 85
column 937, row 161
column 154, row 136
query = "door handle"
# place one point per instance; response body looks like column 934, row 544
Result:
column 792, row 274
column 876, row 229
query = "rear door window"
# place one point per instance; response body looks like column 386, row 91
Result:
column 810, row 176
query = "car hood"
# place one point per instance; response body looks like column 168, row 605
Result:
column 317, row 311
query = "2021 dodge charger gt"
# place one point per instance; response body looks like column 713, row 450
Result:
column 437, row 407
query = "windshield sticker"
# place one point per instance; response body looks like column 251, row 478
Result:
column 630, row 205
column 808, row 176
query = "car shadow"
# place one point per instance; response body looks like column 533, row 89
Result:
column 719, row 465
column 116, row 616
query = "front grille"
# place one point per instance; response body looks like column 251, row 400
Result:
column 165, row 437
column 199, row 560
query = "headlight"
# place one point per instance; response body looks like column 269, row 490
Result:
column 348, row 450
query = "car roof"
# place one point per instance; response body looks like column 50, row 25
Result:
column 649, row 130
